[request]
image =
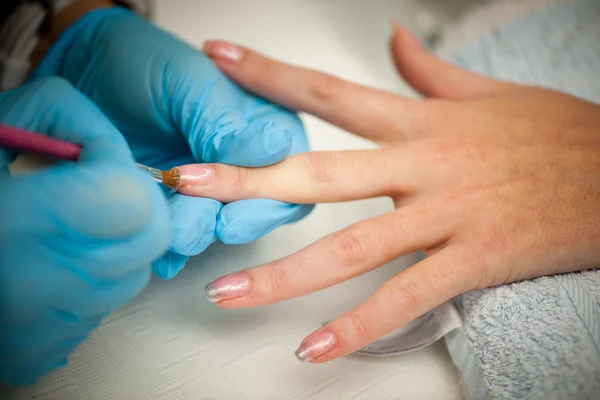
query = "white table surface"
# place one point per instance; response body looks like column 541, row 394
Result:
column 171, row 343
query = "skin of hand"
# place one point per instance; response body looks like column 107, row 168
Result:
column 173, row 106
column 77, row 239
column 497, row 182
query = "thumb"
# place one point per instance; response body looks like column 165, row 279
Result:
column 433, row 77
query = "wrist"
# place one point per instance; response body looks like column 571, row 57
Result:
column 62, row 21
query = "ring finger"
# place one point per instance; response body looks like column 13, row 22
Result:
column 353, row 251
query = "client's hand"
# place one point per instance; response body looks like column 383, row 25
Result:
column 497, row 182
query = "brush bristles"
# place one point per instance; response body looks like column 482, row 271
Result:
column 170, row 178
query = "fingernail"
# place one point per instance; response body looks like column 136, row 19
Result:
column 406, row 36
column 228, row 287
column 315, row 345
column 196, row 175
column 223, row 51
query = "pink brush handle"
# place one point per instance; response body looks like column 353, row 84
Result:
column 30, row 142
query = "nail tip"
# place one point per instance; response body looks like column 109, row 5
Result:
column 302, row 358
column 228, row 287
column 208, row 292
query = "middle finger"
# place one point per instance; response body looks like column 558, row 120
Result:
column 314, row 177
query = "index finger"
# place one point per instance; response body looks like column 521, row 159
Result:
column 371, row 113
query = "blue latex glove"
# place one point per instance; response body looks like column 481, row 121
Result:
column 77, row 239
column 174, row 107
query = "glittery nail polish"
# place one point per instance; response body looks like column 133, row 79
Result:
column 228, row 287
column 315, row 345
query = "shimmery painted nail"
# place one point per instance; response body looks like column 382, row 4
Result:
column 315, row 345
column 223, row 51
column 228, row 287
column 408, row 37
column 196, row 175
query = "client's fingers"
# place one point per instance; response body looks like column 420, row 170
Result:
column 333, row 259
column 368, row 112
column 400, row 300
column 313, row 177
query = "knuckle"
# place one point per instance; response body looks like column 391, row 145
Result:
column 444, row 152
column 405, row 295
column 239, row 178
column 325, row 88
column 348, row 248
column 357, row 327
column 430, row 116
column 322, row 166
column 258, row 68
column 277, row 278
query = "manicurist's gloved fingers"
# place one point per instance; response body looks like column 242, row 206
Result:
column 117, row 216
column 190, row 216
column 169, row 265
column 219, row 121
column 102, row 196
column 243, row 142
column 263, row 112
column 245, row 221
column 68, row 315
column 79, row 237
column 100, row 141
column 174, row 89
column 193, row 229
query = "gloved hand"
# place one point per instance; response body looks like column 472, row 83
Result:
column 174, row 107
column 77, row 239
